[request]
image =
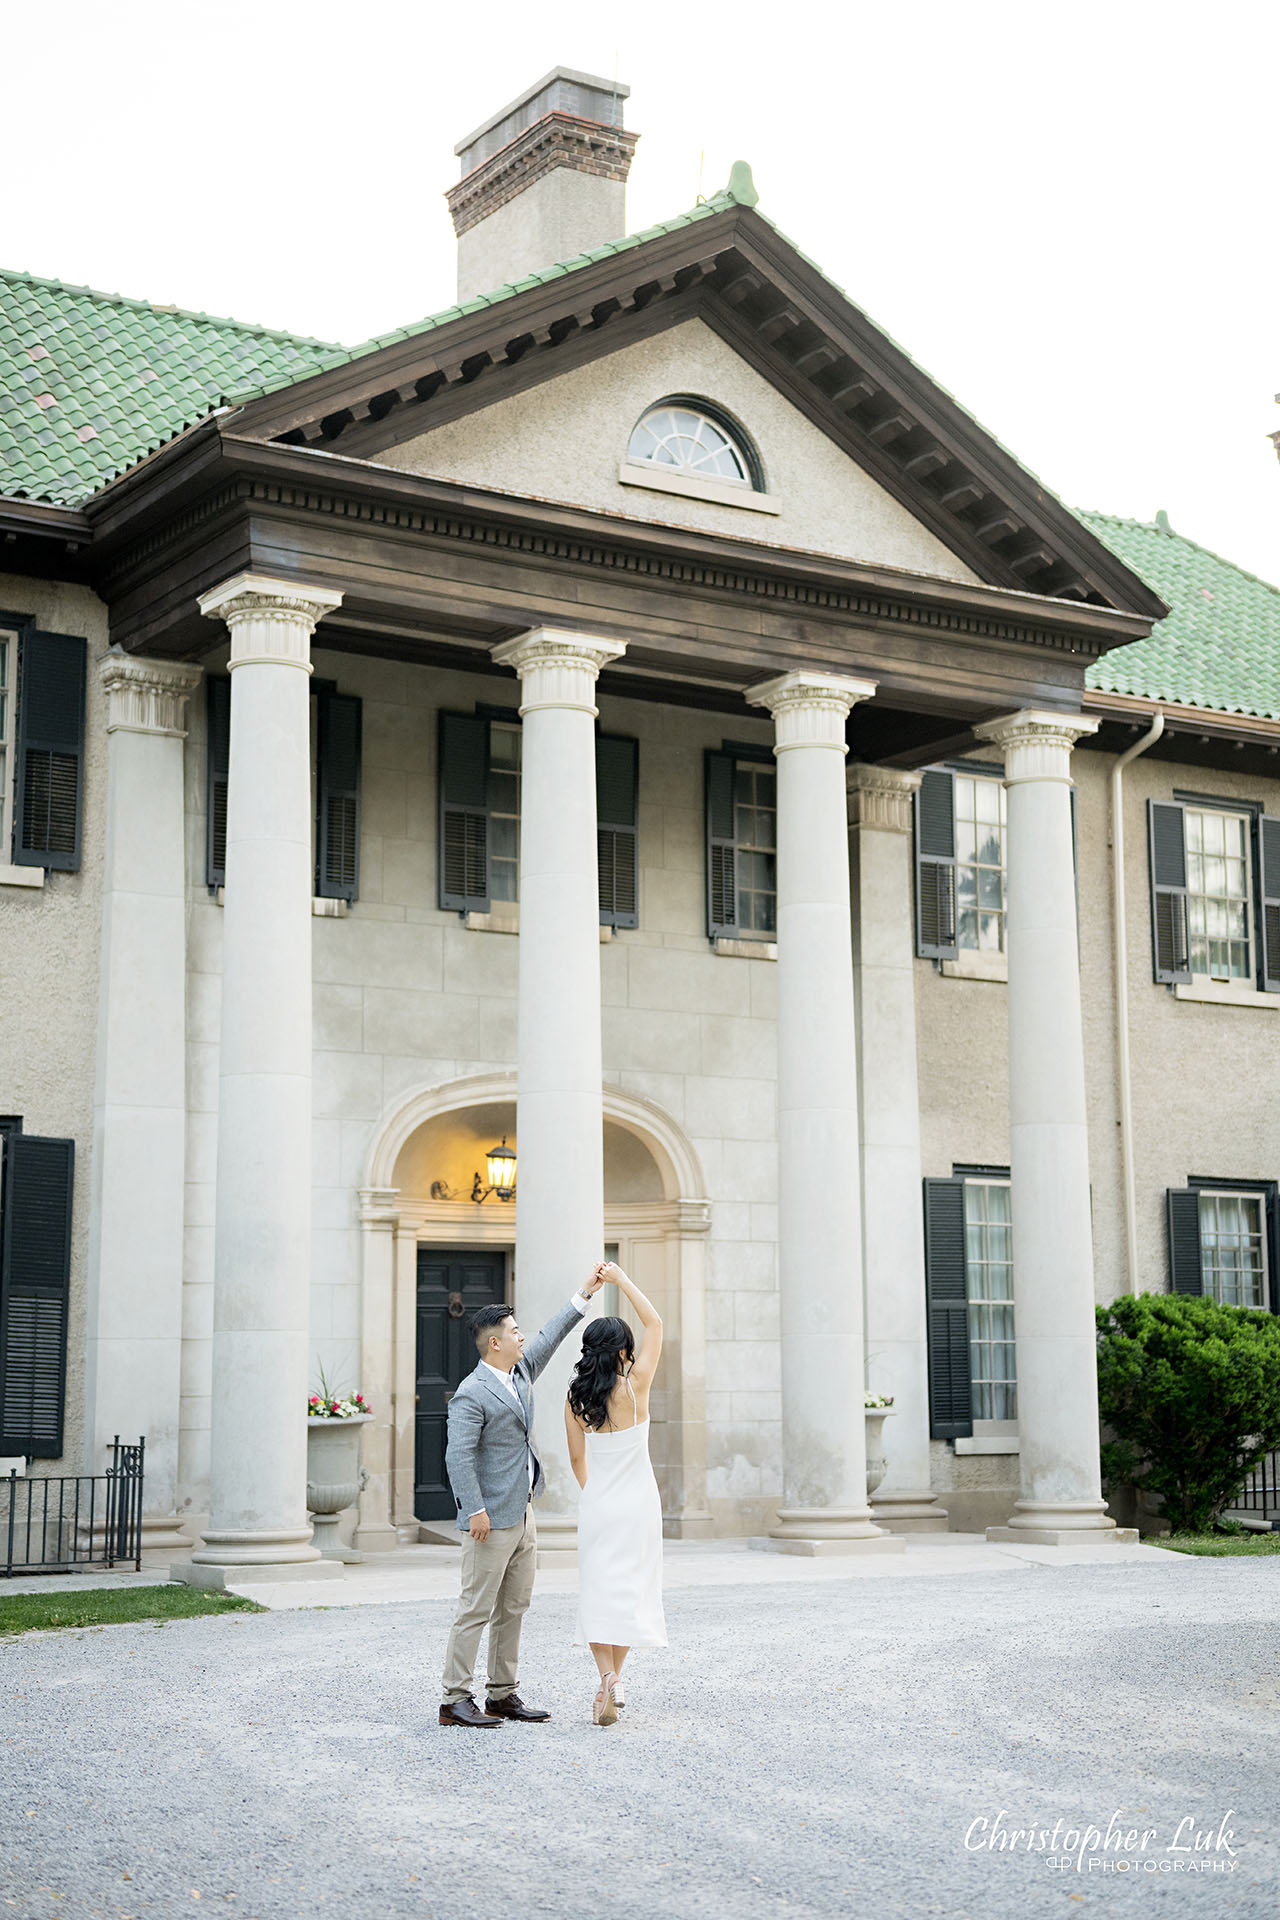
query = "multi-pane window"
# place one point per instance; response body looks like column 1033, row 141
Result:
column 8, row 654
column 988, row 1258
column 1218, row 894
column 684, row 439
column 504, row 810
column 980, row 862
column 1233, row 1252
column 755, row 823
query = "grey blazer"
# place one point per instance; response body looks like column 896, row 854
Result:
column 490, row 1437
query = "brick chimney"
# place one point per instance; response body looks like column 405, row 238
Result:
column 542, row 180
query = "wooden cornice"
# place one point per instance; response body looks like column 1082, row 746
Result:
column 737, row 273
column 178, row 522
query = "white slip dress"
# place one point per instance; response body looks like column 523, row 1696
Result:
column 620, row 1542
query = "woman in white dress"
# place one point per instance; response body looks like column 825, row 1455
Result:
column 620, row 1515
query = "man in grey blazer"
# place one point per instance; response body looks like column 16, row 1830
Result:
column 496, row 1476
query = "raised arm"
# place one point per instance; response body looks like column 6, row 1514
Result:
column 540, row 1348
column 650, row 1323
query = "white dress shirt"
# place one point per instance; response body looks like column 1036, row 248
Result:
column 580, row 1301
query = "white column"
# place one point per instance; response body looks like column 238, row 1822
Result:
column 1061, row 1495
column 819, row 1231
column 379, row 1219
column 880, row 805
column 135, row 1256
column 262, row 1216
column 559, row 1112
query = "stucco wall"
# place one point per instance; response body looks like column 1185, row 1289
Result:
column 49, row 947
column 564, row 441
column 1203, row 1076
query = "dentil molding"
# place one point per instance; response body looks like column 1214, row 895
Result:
column 147, row 696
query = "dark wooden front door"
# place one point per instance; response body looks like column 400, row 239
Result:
column 451, row 1286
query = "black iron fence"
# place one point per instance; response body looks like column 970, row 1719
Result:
column 59, row 1523
column 1260, row 1493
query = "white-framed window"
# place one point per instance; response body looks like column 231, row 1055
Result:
column 505, row 737
column 681, row 437
column 988, row 1259
column 1219, row 894
column 8, row 690
column 1233, row 1247
column 755, row 831
column 980, row 827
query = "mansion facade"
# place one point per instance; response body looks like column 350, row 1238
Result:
column 638, row 720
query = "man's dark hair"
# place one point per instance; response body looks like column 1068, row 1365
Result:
column 485, row 1320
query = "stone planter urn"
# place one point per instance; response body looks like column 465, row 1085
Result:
column 877, row 1465
column 334, row 1479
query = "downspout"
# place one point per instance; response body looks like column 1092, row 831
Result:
column 1121, row 970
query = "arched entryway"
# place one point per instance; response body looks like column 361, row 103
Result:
column 419, row 1243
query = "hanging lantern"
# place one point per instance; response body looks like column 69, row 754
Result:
column 502, row 1170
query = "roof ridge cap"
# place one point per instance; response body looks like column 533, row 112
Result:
column 19, row 276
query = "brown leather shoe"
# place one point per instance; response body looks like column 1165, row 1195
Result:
column 465, row 1713
column 514, row 1708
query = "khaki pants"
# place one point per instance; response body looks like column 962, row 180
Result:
column 497, row 1586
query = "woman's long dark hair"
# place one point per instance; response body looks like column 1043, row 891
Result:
column 597, row 1370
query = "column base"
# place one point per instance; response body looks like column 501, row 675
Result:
column 814, row 1549
column 229, row 1555
column 377, row 1539
column 557, row 1540
column 1062, row 1523
column 909, row 1513
column 221, row 1577
column 818, row 1531
column 1109, row 1536
column 696, row 1525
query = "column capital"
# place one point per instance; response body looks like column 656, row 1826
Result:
column 881, row 797
column 1037, row 742
column 147, row 696
column 556, row 668
column 809, row 709
column 271, row 620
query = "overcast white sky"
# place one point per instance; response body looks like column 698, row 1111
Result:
column 1065, row 210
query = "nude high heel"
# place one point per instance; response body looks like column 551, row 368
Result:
column 604, row 1708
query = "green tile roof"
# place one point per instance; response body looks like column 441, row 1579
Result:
column 91, row 382
column 1219, row 647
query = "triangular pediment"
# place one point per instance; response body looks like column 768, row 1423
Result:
column 728, row 267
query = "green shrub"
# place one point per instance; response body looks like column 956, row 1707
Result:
column 1191, row 1392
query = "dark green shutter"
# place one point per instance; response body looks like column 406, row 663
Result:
column 34, row 1287
column 935, row 808
column 1269, row 905
column 722, row 891
column 50, row 751
column 338, row 796
column 1185, row 1273
column 616, row 788
column 1169, row 932
column 947, row 1310
column 217, row 761
column 464, row 813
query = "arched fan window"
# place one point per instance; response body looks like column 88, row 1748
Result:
column 686, row 436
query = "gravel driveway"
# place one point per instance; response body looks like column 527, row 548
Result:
column 819, row 1748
